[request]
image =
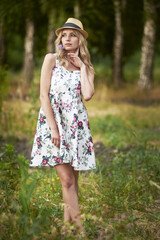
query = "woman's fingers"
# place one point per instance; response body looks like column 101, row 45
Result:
column 73, row 55
column 74, row 59
column 56, row 142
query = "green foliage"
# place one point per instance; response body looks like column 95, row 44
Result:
column 17, row 187
column 120, row 132
column 117, row 200
column 131, row 68
column 114, row 130
column 9, row 174
column 15, row 52
column 4, row 85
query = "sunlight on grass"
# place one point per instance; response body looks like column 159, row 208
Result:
column 118, row 200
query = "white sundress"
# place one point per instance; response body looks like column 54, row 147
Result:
column 76, row 146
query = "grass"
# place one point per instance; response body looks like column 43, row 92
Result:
column 119, row 200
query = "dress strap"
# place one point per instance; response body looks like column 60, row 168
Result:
column 57, row 61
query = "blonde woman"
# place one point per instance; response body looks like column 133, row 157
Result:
column 63, row 137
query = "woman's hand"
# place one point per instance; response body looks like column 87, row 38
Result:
column 55, row 138
column 74, row 59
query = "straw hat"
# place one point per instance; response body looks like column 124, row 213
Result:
column 73, row 23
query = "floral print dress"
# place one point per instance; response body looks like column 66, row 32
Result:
column 76, row 146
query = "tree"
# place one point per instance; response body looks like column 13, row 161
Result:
column 28, row 67
column 148, row 44
column 2, row 33
column 51, row 32
column 2, row 45
column 117, row 72
column 76, row 8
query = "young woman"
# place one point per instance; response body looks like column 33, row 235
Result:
column 63, row 137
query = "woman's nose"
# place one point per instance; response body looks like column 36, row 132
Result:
column 67, row 37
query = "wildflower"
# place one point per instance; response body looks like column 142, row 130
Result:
column 57, row 178
column 51, row 188
column 53, row 179
column 60, row 46
column 128, row 225
column 123, row 216
column 116, row 197
column 45, row 180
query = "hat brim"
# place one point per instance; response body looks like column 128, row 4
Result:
column 83, row 32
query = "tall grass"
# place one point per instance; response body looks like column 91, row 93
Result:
column 118, row 200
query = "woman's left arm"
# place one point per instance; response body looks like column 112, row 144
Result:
column 87, row 76
column 87, row 82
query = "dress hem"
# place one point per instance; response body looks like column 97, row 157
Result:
column 52, row 166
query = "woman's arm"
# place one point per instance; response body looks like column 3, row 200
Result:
column 87, row 77
column 87, row 82
column 46, row 71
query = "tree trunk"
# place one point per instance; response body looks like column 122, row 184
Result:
column 77, row 10
column 117, row 71
column 148, row 44
column 2, row 46
column 51, row 33
column 28, row 68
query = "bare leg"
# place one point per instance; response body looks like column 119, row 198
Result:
column 69, row 181
column 76, row 174
column 67, row 216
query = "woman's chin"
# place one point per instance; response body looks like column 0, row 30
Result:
column 69, row 48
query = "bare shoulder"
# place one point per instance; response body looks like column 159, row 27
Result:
column 50, row 59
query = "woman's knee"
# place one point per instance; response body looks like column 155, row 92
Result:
column 67, row 181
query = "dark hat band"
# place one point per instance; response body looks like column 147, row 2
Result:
column 71, row 25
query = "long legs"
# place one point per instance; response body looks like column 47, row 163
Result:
column 69, row 181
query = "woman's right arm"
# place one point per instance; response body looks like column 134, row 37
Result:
column 46, row 73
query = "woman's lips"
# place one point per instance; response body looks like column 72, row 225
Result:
column 68, row 44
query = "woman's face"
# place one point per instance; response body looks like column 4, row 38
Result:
column 69, row 40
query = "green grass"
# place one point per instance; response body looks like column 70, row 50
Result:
column 119, row 200
column 135, row 128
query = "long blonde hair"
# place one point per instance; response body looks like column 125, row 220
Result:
column 83, row 50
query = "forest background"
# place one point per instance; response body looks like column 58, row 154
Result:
column 123, row 198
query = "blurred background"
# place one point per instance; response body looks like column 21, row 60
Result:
column 120, row 199
column 123, row 43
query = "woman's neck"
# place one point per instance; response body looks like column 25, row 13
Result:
column 71, row 51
